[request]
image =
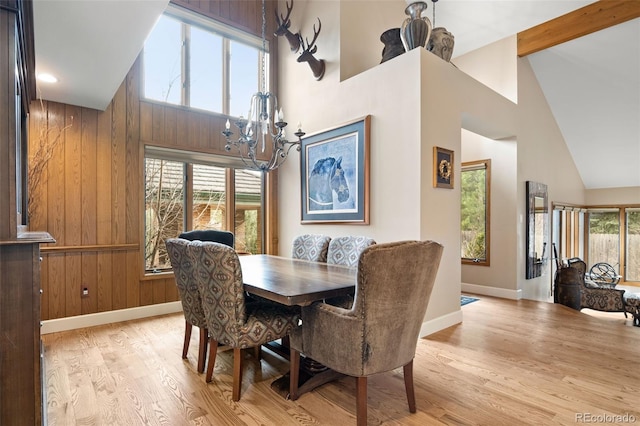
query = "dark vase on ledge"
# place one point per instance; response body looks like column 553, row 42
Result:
column 392, row 44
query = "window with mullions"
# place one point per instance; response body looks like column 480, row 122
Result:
column 183, row 195
column 474, row 211
column 192, row 61
column 632, row 261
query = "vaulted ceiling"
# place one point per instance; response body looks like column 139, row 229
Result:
column 591, row 83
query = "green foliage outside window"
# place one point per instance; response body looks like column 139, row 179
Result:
column 474, row 210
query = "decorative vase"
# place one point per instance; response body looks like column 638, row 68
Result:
column 441, row 43
column 392, row 44
column 416, row 29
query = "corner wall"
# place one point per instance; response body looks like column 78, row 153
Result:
column 417, row 101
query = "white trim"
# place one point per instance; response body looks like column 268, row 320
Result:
column 503, row 293
column 440, row 323
column 101, row 318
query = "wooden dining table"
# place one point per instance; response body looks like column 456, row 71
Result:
column 293, row 281
column 296, row 282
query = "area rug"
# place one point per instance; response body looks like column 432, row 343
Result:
column 464, row 300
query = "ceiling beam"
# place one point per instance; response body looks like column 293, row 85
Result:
column 586, row 20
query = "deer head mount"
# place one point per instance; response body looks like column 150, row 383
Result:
column 283, row 29
column 309, row 49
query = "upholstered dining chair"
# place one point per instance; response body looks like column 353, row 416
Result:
column 346, row 251
column 381, row 331
column 224, row 237
column 183, row 270
column 311, row 247
column 230, row 320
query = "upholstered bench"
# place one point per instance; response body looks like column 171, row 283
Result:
column 632, row 305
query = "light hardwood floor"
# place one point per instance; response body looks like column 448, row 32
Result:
column 508, row 363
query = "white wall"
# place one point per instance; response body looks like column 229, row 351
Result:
column 612, row 196
column 417, row 101
column 502, row 271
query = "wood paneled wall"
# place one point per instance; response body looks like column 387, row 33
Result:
column 91, row 198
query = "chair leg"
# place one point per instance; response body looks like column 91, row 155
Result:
column 202, row 352
column 213, row 351
column 237, row 373
column 361, row 401
column 408, row 385
column 187, row 338
column 257, row 352
column 294, row 373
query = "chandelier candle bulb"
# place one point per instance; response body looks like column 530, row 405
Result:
column 227, row 125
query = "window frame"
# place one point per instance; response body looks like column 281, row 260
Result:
column 228, row 33
column 479, row 165
column 188, row 159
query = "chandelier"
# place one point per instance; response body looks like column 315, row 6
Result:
column 264, row 126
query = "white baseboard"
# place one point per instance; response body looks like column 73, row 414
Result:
column 101, row 318
column 440, row 323
column 491, row 291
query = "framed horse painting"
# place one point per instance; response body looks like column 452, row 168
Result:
column 334, row 168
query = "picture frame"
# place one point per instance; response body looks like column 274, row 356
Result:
column 334, row 173
column 443, row 168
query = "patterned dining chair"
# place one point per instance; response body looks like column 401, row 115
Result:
column 311, row 247
column 183, row 270
column 346, row 251
column 380, row 333
column 224, row 237
column 230, row 320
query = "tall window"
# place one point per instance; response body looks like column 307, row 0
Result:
column 186, row 195
column 192, row 61
column 632, row 261
column 475, row 196
column 604, row 237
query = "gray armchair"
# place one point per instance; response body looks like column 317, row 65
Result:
column 381, row 331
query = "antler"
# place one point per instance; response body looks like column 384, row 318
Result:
column 283, row 28
column 284, row 22
column 311, row 47
column 317, row 65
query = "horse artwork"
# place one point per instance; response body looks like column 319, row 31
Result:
column 334, row 174
column 326, row 178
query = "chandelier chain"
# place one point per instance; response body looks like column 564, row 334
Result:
column 264, row 47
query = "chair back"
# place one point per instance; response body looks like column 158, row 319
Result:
column 184, row 272
column 577, row 263
column 393, row 289
column 346, row 250
column 219, row 277
column 224, row 237
column 311, row 247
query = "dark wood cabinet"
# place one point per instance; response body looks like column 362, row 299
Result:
column 21, row 390
column 21, row 393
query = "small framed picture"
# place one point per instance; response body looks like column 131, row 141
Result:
column 334, row 168
column 442, row 168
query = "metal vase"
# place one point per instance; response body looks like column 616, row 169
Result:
column 416, row 29
column 441, row 43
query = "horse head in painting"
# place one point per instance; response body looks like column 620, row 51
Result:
column 325, row 178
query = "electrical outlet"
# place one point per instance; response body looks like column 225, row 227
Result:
column 85, row 292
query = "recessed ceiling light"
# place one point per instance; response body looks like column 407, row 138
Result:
column 47, row 78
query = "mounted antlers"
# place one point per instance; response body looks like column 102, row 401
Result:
column 317, row 66
column 283, row 29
